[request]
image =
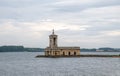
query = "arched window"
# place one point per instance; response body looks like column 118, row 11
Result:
column 54, row 41
column 74, row 53
column 55, row 53
column 63, row 53
column 69, row 53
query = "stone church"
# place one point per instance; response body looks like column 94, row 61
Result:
column 54, row 50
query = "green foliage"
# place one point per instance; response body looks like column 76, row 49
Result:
column 88, row 50
column 19, row 49
column 11, row 48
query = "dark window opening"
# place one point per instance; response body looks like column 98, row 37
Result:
column 74, row 53
column 55, row 53
column 54, row 39
column 69, row 53
column 63, row 53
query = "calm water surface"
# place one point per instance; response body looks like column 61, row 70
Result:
column 25, row 64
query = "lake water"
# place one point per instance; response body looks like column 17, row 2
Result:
column 25, row 64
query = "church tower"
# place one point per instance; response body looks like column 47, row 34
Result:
column 53, row 40
column 54, row 51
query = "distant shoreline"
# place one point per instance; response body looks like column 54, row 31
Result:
column 15, row 48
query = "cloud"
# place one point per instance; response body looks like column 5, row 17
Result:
column 28, row 32
column 111, row 33
column 39, row 25
column 78, row 5
column 86, row 23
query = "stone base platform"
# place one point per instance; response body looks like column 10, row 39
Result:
column 43, row 56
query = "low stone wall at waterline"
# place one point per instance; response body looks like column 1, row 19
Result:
column 43, row 56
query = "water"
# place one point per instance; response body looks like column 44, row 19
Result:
column 101, row 53
column 25, row 64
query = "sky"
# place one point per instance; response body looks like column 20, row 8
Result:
column 84, row 23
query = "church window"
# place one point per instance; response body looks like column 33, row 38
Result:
column 54, row 41
column 63, row 53
column 69, row 53
column 74, row 53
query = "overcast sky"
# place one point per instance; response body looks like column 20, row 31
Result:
column 84, row 23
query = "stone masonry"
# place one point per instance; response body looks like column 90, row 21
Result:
column 54, row 50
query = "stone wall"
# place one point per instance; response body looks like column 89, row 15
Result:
column 69, row 52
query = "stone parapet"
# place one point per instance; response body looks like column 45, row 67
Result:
column 63, row 48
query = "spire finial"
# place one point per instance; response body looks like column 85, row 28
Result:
column 53, row 32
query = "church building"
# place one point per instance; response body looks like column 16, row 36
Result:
column 54, row 50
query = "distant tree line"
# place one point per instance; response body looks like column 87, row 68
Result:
column 109, row 49
column 104, row 49
column 19, row 49
column 87, row 50
column 23, row 49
